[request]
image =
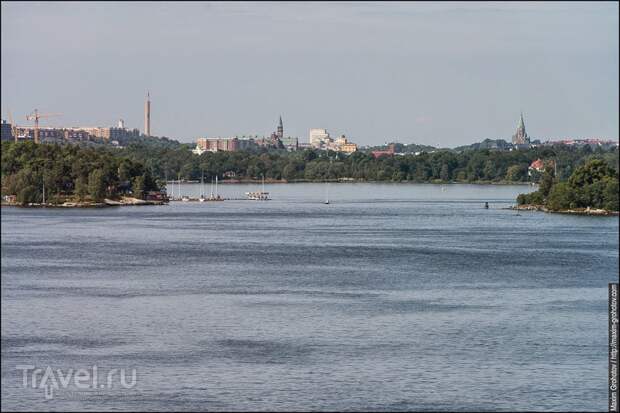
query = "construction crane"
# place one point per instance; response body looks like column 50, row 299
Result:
column 36, row 116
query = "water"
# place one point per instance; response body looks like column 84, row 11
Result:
column 393, row 297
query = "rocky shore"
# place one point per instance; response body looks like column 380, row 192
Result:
column 124, row 201
column 576, row 211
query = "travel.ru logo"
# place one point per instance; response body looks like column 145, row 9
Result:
column 50, row 380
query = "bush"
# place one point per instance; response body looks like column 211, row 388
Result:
column 560, row 197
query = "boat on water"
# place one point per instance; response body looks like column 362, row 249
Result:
column 258, row 195
column 202, row 187
column 327, row 193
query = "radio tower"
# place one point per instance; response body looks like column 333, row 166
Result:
column 147, row 115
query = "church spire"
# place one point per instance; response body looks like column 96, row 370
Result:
column 280, row 131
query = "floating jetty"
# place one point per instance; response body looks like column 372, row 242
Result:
column 199, row 199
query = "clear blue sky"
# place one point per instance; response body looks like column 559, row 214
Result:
column 432, row 73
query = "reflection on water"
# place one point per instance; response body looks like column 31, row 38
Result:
column 393, row 297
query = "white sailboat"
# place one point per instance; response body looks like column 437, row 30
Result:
column 327, row 183
column 202, row 188
column 182, row 198
column 327, row 193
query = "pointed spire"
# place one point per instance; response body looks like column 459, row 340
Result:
column 521, row 123
column 280, row 124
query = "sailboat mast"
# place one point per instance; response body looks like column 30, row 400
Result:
column 216, row 186
column 179, row 181
column 202, row 185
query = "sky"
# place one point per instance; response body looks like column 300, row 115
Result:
column 443, row 74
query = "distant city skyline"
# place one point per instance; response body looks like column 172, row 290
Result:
column 442, row 74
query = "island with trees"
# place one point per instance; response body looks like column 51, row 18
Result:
column 592, row 189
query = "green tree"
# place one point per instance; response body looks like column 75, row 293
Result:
column 81, row 188
column 611, row 195
column 138, row 187
column 560, row 197
column 29, row 194
column 515, row 173
column 444, row 174
column 96, row 185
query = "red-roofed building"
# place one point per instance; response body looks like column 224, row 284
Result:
column 537, row 165
column 388, row 152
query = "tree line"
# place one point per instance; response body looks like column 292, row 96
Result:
column 143, row 165
column 170, row 161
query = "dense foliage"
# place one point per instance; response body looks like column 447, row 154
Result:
column 70, row 172
column 177, row 162
column 593, row 185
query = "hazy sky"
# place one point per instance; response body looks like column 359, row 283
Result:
column 432, row 73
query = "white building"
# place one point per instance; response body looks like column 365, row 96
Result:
column 318, row 137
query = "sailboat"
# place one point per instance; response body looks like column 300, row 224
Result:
column 326, row 193
column 217, row 196
column 258, row 195
column 202, row 188
column 183, row 198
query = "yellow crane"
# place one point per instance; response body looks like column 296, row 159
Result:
column 36, row 116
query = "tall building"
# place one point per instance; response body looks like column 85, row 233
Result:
column 147, row 115
column 318, row 136
column 7, row 131
column 280, row 131
column 520, row 137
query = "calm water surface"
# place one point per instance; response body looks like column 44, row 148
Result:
column 393, row 297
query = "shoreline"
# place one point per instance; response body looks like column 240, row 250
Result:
column 86, row 204
column 343, row 181
column 577, row 211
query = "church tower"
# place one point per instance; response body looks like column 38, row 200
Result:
column 280, row 132
column 520, row 137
